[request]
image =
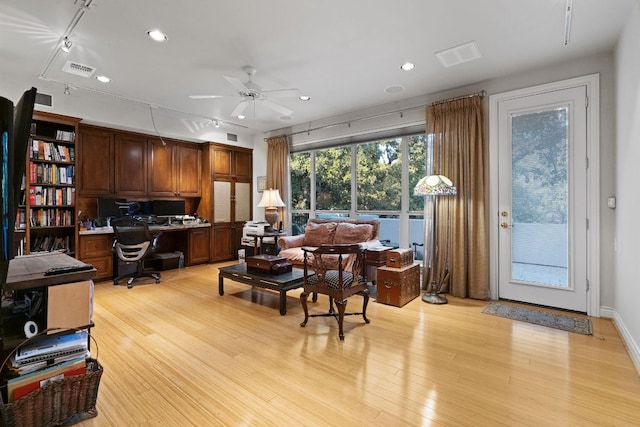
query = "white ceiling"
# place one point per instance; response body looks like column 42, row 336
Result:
column 342, row 53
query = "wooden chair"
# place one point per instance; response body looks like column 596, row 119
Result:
column 339, row 273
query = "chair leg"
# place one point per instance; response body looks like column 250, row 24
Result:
column 303, row 301
column 365, row 302
column 342, row 307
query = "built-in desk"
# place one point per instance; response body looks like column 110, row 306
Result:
column 193, row 240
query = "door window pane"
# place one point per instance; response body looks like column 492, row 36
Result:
column 540, row 197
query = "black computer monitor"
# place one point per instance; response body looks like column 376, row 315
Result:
column 109, row 208
column 15, row 128
column 169, row 208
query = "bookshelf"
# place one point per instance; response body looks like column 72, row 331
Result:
column 47, row 213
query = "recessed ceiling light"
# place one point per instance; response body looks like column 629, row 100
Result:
column 241, row 117
column 407, row 66
column 305, row 97
column 103, row 79
column 157, row 35
column 394, row 89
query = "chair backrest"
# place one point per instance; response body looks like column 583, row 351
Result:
column 336, row 267
column 130, row 231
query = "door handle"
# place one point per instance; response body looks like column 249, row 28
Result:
column 504, row 225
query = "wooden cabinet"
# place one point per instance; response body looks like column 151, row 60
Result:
column 226, row 196
column 189, row 170
column 95, row 165
column 175, row 169
column 47, row 209
column 199, row 246
column 95, row 249
column 130, row 165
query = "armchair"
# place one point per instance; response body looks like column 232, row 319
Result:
column 133, row 244
column 347, row 278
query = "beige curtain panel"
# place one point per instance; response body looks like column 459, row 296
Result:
column 459, row 152
column 277, row 170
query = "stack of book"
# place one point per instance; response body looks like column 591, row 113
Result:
column 47, row 359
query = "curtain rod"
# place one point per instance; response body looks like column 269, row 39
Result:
column 482, row 93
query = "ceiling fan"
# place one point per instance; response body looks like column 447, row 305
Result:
column 252, row 93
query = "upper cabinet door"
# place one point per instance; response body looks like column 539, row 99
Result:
column 189, row 167
column 131, row 165
column 221, row 161
column 243, row 165
column 94, row 165
column 162, row 176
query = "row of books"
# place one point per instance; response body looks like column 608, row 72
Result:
column 47, row 359
column 50, row 244
column 51, row 217
column 64, row 135
column 43, row 150
column 51, row 174
column 51, row 196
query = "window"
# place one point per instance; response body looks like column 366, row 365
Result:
column 367, row 180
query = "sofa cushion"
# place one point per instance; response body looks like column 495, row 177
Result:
column 352, row 233
column 319, row 234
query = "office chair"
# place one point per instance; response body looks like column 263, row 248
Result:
column 133, row 244
column 339, row 273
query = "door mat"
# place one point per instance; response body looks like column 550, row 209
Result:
column 563, row 322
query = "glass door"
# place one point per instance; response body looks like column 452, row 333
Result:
column 542, row 197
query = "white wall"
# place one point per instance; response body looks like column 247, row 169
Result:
column 627, row 261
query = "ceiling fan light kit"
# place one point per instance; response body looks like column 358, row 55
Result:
column 251, row 92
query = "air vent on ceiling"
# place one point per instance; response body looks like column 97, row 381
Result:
column 78, row 69
column 44, row 99
column 459, row 54
column 232, row 137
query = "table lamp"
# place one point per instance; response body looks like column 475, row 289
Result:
column 433, row 186
column 271, row 201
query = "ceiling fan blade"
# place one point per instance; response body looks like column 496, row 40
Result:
column 239, row 108
column 237, row 84
column 277, row 107
column 205, row 96
column 282, row 93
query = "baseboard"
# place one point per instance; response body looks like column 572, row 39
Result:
column 607, row 312
column 632, row 346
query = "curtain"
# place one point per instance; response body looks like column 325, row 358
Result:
column 278, row 170
column 462, row 235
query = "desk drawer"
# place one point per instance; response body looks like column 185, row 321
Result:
column 96, row 245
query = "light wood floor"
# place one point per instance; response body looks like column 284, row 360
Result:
column 178, row 354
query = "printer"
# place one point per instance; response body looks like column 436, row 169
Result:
column 255, row 228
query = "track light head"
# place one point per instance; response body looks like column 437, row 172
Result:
column 66, row 45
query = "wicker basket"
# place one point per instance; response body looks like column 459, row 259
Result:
column 57, row 402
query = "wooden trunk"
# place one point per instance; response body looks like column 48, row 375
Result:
column 398, row 286
column 399, row 258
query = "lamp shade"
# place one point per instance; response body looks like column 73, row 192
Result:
column 271, row 199
column 435, row 185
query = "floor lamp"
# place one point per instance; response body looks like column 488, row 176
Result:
column 432, row 187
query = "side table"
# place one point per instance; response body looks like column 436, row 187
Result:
column 258, row 238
